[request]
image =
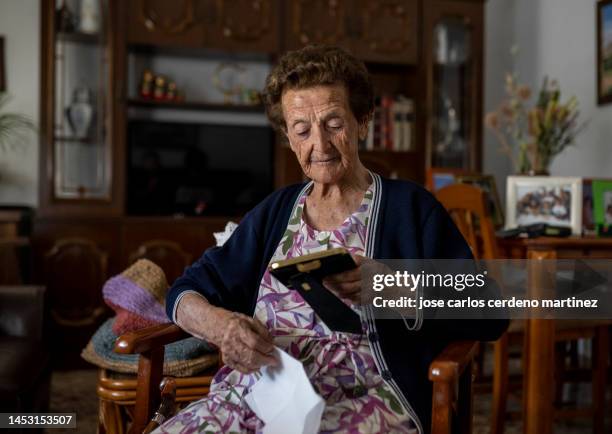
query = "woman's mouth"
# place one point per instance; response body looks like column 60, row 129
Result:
column 324, row 160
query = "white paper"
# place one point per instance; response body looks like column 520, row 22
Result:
column 284, row 399
column 222, row 237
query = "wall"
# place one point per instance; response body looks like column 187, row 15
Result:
column 565, row 49
column 20, row 26
column 499, row 37
column 555, row 38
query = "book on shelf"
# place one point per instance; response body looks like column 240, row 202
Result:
column 391, row 127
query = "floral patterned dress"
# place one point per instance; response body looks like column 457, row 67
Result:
column 340, row 365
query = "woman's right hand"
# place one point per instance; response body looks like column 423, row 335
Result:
column 246, row 344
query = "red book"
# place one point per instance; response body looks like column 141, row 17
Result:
column 386, row 124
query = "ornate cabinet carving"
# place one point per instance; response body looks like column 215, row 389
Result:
column 162, row 22
column 387, row 31
column 246, row 25
column 378, row 31
column 240, row 25
column 317, row 22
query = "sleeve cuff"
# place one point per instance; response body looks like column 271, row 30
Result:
column 178, row 300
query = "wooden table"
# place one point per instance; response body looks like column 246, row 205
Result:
column 540, row 333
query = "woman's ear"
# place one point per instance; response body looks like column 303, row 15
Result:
column 363, row 128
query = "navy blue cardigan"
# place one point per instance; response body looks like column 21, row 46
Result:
column 408, row 223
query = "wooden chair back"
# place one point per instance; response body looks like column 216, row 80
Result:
column 168, row 255
column 468, row 207
column 75, row 298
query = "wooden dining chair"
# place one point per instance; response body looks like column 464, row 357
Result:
column 451, row 373
column 468, row 207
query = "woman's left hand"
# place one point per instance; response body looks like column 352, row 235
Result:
column 347, row 285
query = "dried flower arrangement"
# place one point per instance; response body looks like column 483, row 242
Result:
column 541, row 132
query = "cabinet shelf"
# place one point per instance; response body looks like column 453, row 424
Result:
column 195, row 105
column 79, row 38
column 69, row 139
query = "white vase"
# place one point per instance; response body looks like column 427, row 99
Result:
column 80, row 113
column 89, row 21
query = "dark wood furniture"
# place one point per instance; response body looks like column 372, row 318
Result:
column 542, row 334
column 451, row 373
column 15, row 227
column 74, row 271
column 25, row 373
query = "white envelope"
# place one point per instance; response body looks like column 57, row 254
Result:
column 284, row 399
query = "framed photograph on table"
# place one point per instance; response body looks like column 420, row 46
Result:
column 604, row 51
column 488, row 185
column 602, row 204
column 544, row 199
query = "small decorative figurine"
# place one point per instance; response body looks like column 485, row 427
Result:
column 146, row 84
column 90, row 16
column 80, row 112
column 171, row 92
column 227, row 79
column 159, row 93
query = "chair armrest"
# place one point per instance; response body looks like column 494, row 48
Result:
column 451, row 374
column 452, row 361
column 149, row 338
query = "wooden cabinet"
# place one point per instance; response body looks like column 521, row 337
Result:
column 376, row 31
column 453, row 62
column 246, row 25
column 317, row 22
column 169, row 23
column 80, row 154
column 387, row 31
column 236, row 25
column 74, row 257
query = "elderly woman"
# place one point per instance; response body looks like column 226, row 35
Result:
column 321, row 98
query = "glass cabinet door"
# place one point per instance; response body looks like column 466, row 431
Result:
column 81, row 146
column 455, row 86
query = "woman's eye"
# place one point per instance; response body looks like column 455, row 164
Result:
column 335, row 125
column 302, row 133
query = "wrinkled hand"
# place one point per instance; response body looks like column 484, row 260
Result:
column 246, row 344
column 347, row 285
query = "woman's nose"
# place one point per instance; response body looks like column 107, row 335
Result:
column 320, row 139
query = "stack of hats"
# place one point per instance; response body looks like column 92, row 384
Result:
column 138, row 298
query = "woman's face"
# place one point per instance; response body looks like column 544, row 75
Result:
column 323, row 131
